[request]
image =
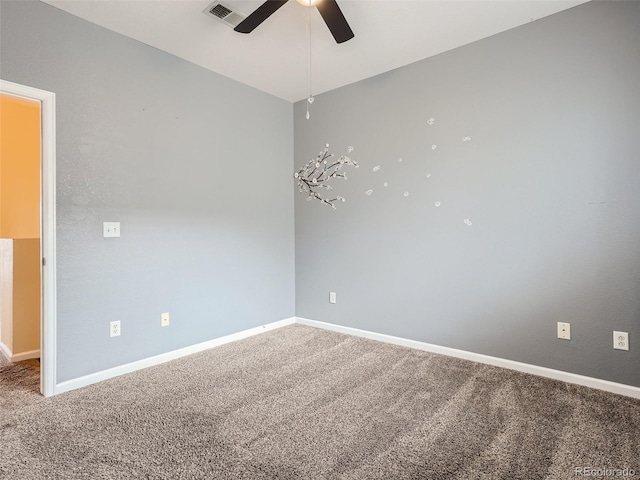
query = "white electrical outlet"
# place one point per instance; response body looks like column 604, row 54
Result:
column 332, row 297
column 564, row 330
column 114, row 329
column 110, row 229
column 621, row 340
column 164, row 319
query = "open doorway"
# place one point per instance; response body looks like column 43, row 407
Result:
column 27, row 228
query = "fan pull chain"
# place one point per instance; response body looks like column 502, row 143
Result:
column 310, row 97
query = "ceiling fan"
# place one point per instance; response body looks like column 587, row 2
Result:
column 329, row 10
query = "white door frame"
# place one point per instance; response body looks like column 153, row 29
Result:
column 48, row 235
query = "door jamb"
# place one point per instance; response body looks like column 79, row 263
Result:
column 48, row 235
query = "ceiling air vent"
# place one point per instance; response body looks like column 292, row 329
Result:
column 223, row 13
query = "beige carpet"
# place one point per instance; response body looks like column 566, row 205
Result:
column 303, row 403
column 4, row 361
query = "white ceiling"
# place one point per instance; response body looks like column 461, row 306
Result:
column 274, row 58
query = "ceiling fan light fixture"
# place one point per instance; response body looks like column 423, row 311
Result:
column 328, row 9
column 308, row 3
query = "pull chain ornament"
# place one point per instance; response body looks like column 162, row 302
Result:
column 309, row 102
column 315, row 175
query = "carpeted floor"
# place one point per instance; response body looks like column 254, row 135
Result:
column 303, row 403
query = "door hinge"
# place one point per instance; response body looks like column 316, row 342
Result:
column 44, row 262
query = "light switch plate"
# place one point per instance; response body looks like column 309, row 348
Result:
column 110, row 229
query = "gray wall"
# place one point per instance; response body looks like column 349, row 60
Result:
column 198, row 170
column 550, row 181
column 196, row 167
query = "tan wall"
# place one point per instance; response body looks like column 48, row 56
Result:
column 19, row 294
column 20, row 298
column 19, row 168
column 26, row 295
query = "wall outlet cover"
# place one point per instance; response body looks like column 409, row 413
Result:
column 164, row 319
column 332, row 297
column 114, row 329
column 621, row 340
column 564, row 330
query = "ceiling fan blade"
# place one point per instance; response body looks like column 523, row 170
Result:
column 335, row 20
column 260, row 14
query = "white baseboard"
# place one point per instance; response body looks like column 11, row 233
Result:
column 5, row 351
column 18, row 357
column 166, row 357
column 618, row 388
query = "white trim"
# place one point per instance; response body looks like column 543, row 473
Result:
column 166, row 357
column 613, row 387
column 4, row 350
column 48, row 235
column 18, row 357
